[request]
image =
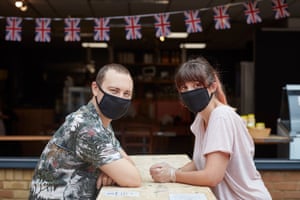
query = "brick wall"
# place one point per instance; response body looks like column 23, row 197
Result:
column 14, row 183
column 283, row 185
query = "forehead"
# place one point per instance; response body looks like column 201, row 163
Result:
column 117, row 79
column 193, row 83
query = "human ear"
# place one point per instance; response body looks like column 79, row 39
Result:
column 213, row 87
column 94, row 88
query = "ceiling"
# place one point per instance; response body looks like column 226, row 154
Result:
column 237, row 37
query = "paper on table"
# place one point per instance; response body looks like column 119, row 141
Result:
column 121, row 193
column 187, row 196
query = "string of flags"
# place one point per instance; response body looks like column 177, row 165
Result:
column 133, row 26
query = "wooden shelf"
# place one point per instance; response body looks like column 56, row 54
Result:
column 25, row 138
column 272, row 139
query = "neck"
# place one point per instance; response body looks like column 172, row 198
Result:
column 214, row 103
column 105, row 122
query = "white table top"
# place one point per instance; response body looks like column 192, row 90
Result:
column 157, row 191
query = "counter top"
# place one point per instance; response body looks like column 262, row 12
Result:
column 18, row 162
column 272, row 139
column 25, row 138
column 261, row 164
column 277, row 164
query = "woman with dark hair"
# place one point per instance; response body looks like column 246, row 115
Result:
column 223, row 150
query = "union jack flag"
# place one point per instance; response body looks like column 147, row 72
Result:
column 42, row 30
column 221, row 17
column 251, row 12
column 192, row 21
column 280, row 8
column 133, row 28
column 72, row 29
column 162, row 25
column 13, row 29
column 101, row 29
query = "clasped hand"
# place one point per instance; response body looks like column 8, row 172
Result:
column 104, row 180
column 163, row 172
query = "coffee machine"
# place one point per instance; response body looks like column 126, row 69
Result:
column 288, row 123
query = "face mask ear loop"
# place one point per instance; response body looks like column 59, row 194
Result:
column 100, row 88
column 96, row 99
column 211, row 95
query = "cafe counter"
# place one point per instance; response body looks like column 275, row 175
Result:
column 281, row 176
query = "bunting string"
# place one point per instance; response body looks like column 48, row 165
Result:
column 133, row 26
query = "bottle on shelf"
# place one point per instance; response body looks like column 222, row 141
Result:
column 251, row 120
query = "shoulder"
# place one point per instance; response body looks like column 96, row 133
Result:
column 225, row 114
column 85, row 114
column 223, row 110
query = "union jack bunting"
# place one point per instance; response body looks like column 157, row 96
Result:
column 13, row 29
column 280, row 8
column 101, row 29
column 221, row 18
column 251, row 12
column 42, row 30
column 133, row 28
column 192, row 21
column 72, row 29
column 162, row 24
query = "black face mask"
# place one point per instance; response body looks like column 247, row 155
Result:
column 113, row 107
column 196, row 100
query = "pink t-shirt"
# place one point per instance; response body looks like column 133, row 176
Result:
column 227, row 133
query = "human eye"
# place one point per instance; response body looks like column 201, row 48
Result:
column 114, row 91
column 197, row 85
column 183, row 88
column 127, row 94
